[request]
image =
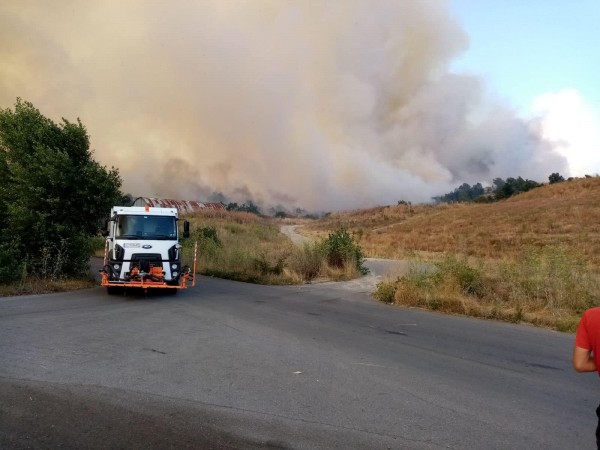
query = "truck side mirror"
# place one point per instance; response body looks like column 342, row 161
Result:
column 186, row 229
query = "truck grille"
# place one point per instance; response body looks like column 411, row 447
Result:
column 145, row 260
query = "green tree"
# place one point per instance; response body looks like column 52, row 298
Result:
column 555, row 178
column 249, row 206
column 463, row 193
column 498, row 183
column 53, row 195
column 513, row 186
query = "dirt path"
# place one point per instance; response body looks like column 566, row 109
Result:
column 298, row 239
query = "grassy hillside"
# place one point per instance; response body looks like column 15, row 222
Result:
column 559, row 214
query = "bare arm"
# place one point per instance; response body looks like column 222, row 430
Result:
column 583, row 361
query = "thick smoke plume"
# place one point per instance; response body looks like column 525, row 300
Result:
column 316, row 104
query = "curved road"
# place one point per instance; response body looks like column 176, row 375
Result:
column 233, row 365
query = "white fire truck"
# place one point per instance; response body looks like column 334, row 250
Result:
column 143, row 250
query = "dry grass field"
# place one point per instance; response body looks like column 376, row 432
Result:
column 532, row 258
column 560, row 214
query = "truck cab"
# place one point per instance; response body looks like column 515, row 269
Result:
column 143, row 249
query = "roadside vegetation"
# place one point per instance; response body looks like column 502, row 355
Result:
column 245, row 247
column 53, row 198
column 533, row 258
column 548, row 287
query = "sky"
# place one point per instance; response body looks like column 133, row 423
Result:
column 543, row 57
column 322, row 105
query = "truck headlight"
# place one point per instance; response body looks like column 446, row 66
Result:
column 175, row 274
column 173, row 266
column 117, row 266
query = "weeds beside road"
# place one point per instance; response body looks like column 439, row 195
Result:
column 244, row 247
column 238, row 246
column 37, row 285
column 548, row 287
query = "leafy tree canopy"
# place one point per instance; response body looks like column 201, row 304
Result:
column 463, row 193
column 501, row 189
column 513, row 186
column 249, row 206
column 53, row 195
column 555, row 178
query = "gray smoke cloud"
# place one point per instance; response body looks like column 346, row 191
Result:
column 324, row 105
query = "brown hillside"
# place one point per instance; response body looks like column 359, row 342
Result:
column 565, row 214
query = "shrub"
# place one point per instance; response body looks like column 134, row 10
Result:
column 11, row 264
column 458, row 270
column 386, row 291
column 266, row 266
column 341, row 250
column 52, row 261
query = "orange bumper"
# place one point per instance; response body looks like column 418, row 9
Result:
column 149, row 284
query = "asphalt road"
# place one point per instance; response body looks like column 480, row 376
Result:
column 233, row 365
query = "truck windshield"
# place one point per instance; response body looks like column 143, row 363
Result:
column 146, row 227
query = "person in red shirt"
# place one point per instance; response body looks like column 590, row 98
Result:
column 586, row 354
